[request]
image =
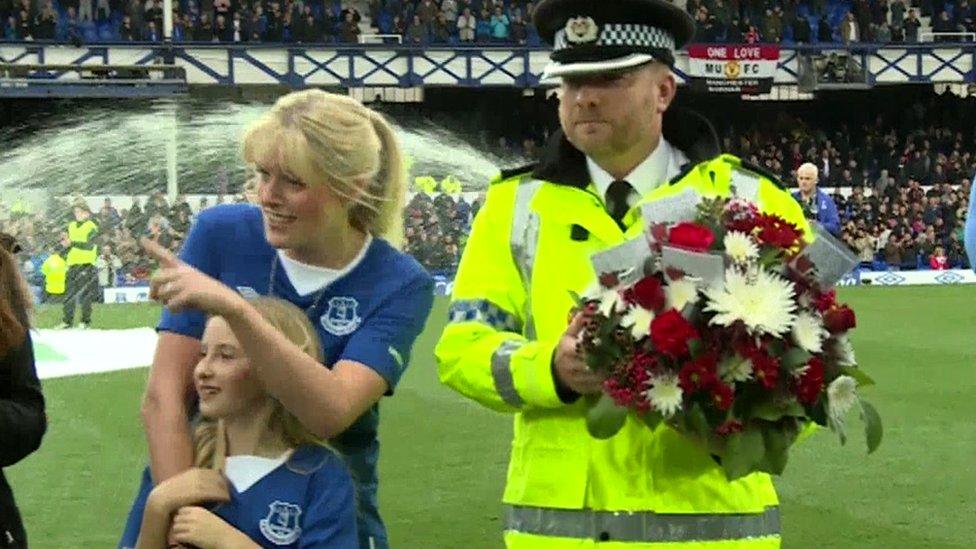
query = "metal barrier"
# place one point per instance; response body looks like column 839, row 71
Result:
column 91, row 80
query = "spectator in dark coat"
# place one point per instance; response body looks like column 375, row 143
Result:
column 22, row 419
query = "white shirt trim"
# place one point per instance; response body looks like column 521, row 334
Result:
column 245, row 471
column 308, row 279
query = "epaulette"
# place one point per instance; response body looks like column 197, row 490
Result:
column 512, row 172
column 774, row 179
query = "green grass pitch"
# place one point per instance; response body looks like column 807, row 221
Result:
column 444, row 458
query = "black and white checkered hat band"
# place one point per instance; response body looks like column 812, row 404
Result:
column 623, row 34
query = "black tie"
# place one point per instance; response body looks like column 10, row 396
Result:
column 617, row 205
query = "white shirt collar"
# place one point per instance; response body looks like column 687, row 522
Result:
column 661, row 165
column 310, row 278
column 244, row 471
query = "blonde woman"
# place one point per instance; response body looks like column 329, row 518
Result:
column 330, row 191
column 282, row 487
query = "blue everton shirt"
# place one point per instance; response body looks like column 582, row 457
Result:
column 371, row 315
column 305, row 502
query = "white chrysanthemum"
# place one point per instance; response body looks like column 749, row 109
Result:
column 664, row 394
column 638, row 319
column 737, row 369
column 740, row 247
column 845, row 352
column 841, row 397
column 808, row 332
column 679, row 293
column 761, row 300
column 609, row 300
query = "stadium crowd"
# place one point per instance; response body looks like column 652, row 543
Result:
column 900, row 178
column 435, row 230
column 459, row 22
column 909, row 174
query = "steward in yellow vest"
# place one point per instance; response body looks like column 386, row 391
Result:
column 55, row 271
column 82, row 279
column 508, row 344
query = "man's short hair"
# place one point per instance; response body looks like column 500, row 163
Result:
column 808, row 166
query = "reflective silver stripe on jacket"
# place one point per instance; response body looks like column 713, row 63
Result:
column 524, row 240
column 745, row 184
column 641, row 526
column 485, row 312
column 501, row 372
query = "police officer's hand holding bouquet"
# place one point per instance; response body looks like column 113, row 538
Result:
column 724, row 326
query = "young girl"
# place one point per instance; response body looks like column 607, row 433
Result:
column 283, row 488
column 938, row 260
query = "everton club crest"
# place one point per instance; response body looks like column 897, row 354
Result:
column 281, row 525
column 581, row 30
column 342, row 316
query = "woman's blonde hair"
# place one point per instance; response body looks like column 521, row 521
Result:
column 325, row 138
column 209, row 443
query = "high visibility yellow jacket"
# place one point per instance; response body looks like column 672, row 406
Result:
column 451, row 185
column 529, row 247
column 55, row 271
column 83, row 250
column 425, row 184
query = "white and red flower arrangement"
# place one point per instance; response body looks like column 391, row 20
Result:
column 728, row 331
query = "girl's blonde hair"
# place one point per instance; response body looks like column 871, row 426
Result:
column 209, row 443
column 325, row 138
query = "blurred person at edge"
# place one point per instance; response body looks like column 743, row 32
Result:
column 970, row 237
column 22, row 418
column 817, row 205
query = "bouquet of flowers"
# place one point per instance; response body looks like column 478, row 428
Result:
column 724, row 327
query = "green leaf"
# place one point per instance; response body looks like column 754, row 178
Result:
column 696, row 422
column 872, row 425
column 773, row 409
column 777, row 449
column 577, row 299
column 794, row 358
column 743, row 453
column 652, row 419
column 863, row 380
column 604, row 418
column 770, row 256
column 598, row 362
column 695, row 347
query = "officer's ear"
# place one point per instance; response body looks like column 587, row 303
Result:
column 666, row 85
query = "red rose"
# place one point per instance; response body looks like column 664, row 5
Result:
column 824, row 301
column 741, row 215
column 729, row 427
column 698, row 374
column 609, row 280
column 765, row 368
column 777, row 232
column 691, row 236
column 659, row 231
column 839, row 319
column 742, row 225
column 648, row 293
column 809, row 385
column 670, row 333
column 722, row 395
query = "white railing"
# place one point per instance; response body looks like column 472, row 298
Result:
column 379, row 38
column 929, row 36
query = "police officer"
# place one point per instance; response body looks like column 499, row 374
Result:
column 509, row 343
column 817, row 205
column 82, row 279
